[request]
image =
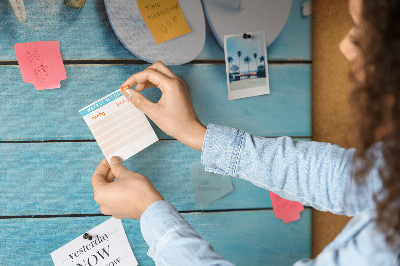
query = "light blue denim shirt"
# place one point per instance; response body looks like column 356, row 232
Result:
column 312, row 173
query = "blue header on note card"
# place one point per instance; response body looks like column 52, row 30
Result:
column 100, row 103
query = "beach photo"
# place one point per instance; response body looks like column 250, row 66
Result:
column 246, row 65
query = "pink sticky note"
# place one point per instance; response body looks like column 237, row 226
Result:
column 41, row 64
column 284, row 209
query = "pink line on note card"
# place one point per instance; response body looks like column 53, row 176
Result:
column 284, row 209
column 41, row 64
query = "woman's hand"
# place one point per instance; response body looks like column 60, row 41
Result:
column 174, row 112
column 128, row 197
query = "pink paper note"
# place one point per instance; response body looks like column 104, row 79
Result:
column 284, row 209
column 41, row 64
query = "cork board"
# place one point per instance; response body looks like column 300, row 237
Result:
column 331, row 88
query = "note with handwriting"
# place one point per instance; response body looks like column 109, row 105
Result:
column 119, row 128
column 108, row 246
column 209, row 186
column 284, row 209
column 41, row 64
column 164, row 18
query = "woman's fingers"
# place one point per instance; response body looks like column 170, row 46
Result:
column 150, row 77
column 153, row 76
column 110, row 177
column 142, row 86
column 160, row 67
column 100, row 174
column 141, row 102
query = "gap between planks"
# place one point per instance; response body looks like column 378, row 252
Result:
column 93, row 140
column 141, row 62
column 102, row 215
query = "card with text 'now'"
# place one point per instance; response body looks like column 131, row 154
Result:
column 107, row 245
column 118, row 126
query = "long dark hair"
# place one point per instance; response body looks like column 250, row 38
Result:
column 375, row 103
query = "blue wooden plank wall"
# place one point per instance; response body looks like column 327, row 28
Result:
column 87, row 34
column 46, row 204
column 245, row 238
column 207, row 86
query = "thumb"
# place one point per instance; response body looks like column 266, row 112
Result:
column 117, row 167
column 99, row 176
column 138, row 100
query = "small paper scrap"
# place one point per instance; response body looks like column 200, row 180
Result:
column 209, row 186
column 41, row 64
column 164, row 18
column 118, row 126
column 284, row 209
column 306, row 9
column 108, row 246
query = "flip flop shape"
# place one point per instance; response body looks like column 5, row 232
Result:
column 238, row 16
column 132, row 31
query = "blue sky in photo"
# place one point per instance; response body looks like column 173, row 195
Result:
column 248, row 47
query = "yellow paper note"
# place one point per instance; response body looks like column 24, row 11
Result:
column 164, row 18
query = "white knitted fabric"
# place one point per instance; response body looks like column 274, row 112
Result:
column 132, row 31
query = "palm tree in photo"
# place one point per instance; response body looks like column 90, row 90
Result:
column 262, row 60
column 247, row 60
column 239, row 53
column 230, row 60
column 262, row 70
column 255, row 58
column 234, row 68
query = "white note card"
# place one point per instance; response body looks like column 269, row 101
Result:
column 118, row 126
column 109, row 246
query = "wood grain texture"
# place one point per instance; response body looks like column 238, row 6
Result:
column 35, row 177
column 53, row 178
column 331, row 88
column 53, row 114
column 243, row 238
column 87, row 33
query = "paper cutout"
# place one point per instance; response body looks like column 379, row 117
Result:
column 209, row 186
column 41, row 63
column 164, row 18
column 109, row 246
column 118, row 126
column 284, row 209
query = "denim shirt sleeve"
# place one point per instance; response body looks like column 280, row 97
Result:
column 313, row 173
column 171, row 239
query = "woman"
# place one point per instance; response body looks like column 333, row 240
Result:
column 362, row 182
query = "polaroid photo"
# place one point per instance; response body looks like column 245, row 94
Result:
column 246, row 65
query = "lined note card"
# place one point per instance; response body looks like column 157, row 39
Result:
column 41, row 64
column 118, row 126
column 108, row 246
column 164, row 18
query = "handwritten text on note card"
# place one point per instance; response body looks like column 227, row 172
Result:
column 284, row 209
column 164, row 18
column 209, row 186
column 41, row 64
column 108, row 246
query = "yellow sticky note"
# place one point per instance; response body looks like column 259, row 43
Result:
column 164, row 18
